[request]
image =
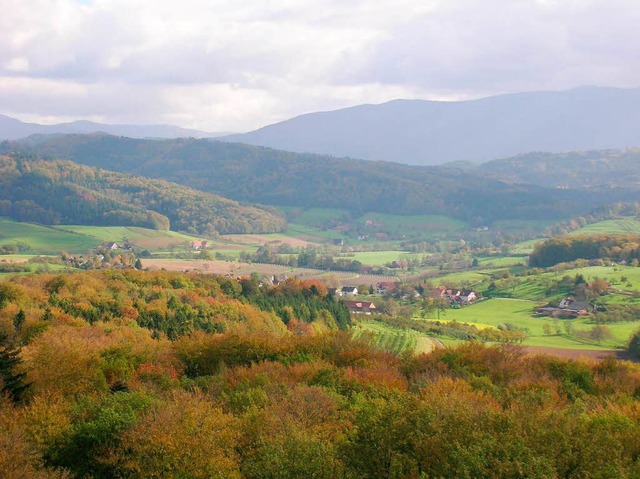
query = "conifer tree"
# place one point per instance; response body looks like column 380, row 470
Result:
column 13, row 382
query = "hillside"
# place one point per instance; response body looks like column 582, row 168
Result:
column 423, row 132
column 135, row 374
column 53, row 192
column 595, row 169
column 265, row 176
column 12, row 129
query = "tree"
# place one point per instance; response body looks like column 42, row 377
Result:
column 13, row 382
column 599, row 333
column 18, row 321
column 634, row 345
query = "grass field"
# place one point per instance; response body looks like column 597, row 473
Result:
column 493, row 312
column 628, row 224
column 423, row 226
column 44, row 239
column 526, row 247
column 314, row 217
column 501, row 261
column 379, row 258
column 141, row 237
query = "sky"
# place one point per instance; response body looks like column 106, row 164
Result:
column 237, row 65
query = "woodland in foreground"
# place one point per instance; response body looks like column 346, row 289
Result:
column 132, row 374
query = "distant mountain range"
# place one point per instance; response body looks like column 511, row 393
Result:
column 423, row 132
column 12, row 129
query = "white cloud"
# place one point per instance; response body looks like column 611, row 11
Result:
column 228, row 65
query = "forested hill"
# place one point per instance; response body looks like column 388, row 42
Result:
column 266, row 176
column 596, row 169
column 52, row 192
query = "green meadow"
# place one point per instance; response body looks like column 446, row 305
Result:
column 627, row 224
column 379, row 258
column 519, row 313
column 44, row 239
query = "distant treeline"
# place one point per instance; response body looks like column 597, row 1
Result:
column 562, row 249
column 62, row 192
column 266, row 176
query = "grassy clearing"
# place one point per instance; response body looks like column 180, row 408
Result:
column 535, row 226
column 424, row 226
column 526, row 247
column 501, row 261
column 44, row 239
column 314, row 217
column 472, row 277
column 627, row 224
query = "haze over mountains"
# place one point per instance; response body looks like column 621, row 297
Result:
column 423, row 132
column 420, row 132
column 12, row 129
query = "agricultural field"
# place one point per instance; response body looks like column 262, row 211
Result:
column 393, row 339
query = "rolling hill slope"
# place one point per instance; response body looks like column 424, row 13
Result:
column 53, row 192
column 266, row 176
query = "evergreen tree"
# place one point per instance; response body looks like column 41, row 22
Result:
column 13, row 382
column 18, row 321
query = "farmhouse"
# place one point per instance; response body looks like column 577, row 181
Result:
column 361, row 307
column 458, row 296
column 578, row 307
column 567, row 308
column 348, row 291
column 110, row 245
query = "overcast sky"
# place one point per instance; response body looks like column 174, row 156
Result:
column 236, row 65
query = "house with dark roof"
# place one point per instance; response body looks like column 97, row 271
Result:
column 567, row 308
column 348, row 291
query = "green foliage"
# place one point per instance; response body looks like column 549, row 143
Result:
column 263, row 175
column 97, row 424
column 634, row 345
column 53, row 192
column 564, row 249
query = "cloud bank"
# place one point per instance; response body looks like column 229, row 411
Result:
column 234, row 66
